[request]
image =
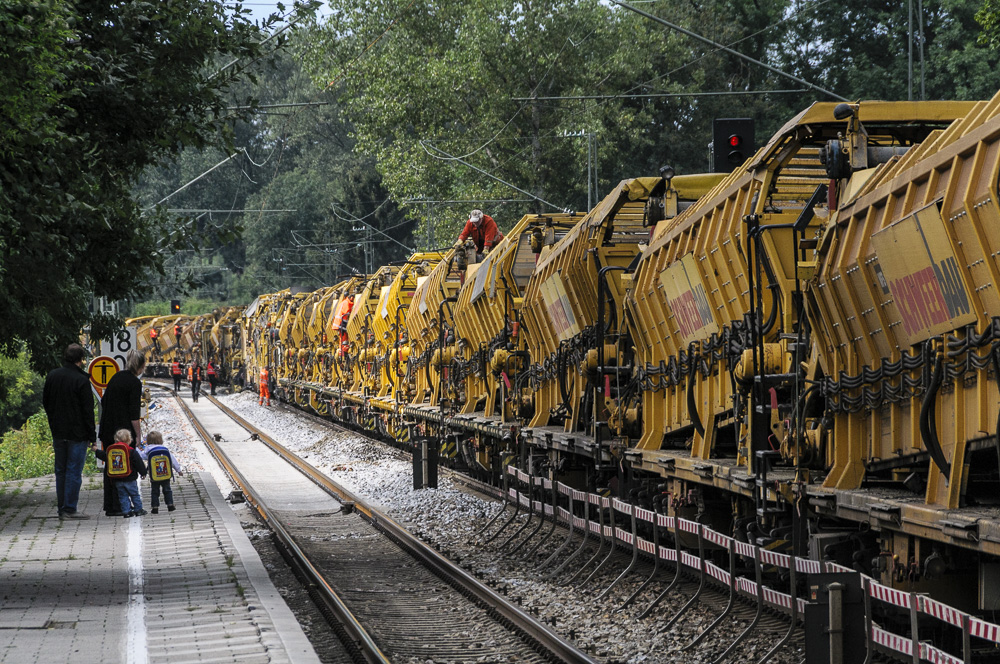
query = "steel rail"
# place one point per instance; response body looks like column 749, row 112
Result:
column 438, row 564
column 359, row 642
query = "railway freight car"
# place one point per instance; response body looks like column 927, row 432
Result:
column 803, row 353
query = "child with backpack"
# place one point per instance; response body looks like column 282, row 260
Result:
column 123, row 465
column 162, row 467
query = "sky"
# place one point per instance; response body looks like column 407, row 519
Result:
column 261, row 9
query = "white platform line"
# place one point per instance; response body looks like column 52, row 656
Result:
column 135, row 649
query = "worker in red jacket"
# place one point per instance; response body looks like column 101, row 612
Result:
column 482, row 230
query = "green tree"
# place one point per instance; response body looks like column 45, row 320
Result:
column 93, row 92
column 866, row 49
column 443, row 80
column 20, row 388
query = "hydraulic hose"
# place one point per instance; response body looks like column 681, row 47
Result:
column 928, row 423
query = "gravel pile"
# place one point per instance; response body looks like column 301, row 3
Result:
column 449, row 517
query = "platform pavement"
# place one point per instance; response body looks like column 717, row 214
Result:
column 182, row 586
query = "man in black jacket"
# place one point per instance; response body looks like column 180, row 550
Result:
column 69, row 406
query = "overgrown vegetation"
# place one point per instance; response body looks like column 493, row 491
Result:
column 27, row 451
column 20, row 387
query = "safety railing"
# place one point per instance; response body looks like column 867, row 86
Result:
column 620, row 525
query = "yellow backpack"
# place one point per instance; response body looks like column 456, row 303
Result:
column 119, row 460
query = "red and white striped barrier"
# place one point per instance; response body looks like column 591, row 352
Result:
column 744, row 549
column 594, row 527
column 774, row 558
column 778, row 598
column 536, row 505
column 694, row 562
column 548, row 510
column 624, row 508
column 624, row 536
column 594, row 499
column 806, row 566
column 666, row 553
column 609, row 531
column 579, row 495
column 890, row 595
column 579, row 522
column 523, row 499
column 646, row 546
column 716, row 538
column 984, row 630
column 688, row 526
column 936, row 656
column 892, row 641
column 941, row 611
column 717, row 572
column 664, row 521
column 645, row 515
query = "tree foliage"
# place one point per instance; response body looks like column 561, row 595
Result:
column 93, row 92
column 295, row 191
column 20, row 387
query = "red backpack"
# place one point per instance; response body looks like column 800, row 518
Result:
column 119, row 460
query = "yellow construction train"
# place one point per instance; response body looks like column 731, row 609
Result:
column 803, row 353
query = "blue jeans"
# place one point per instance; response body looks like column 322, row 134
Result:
column 128, row 494
column 70, row 455
column 154, row 494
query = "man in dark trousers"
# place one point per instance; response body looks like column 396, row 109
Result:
column 69, row 406
column 121, row 408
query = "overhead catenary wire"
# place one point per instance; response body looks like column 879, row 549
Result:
column 726, row 49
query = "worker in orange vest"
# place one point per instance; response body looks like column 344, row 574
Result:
column 154, row 336
column 175, row 371
column 265, row 391
column 343, row 316
column 177, row 333
column 210, row 370
column 194, row 375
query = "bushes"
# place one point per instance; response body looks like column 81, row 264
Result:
column 27, row 452
column 20, row 387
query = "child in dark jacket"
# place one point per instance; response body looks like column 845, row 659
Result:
column 162, row 466
column 123, row 465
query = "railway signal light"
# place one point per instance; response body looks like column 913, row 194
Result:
column 175, row 306
column 732, row 143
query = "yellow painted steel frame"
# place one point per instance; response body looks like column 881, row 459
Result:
column 874, row 309
column 365, row 345
column 422, row 326
column 396, row 298
column 561, row 299
column 489, row 303
column 692, row 284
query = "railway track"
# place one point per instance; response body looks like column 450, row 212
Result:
column 392, row 597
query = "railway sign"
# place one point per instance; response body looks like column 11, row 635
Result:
column 122, row 341
column 101, row 369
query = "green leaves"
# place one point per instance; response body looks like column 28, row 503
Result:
column 95, row 92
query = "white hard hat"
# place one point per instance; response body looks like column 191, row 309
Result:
column 476, row 216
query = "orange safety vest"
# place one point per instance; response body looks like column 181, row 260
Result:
column 194, row 373
column 343, row 314
column 211, row 369
column 264, row 377
column 153, row 333
column 175, row 368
